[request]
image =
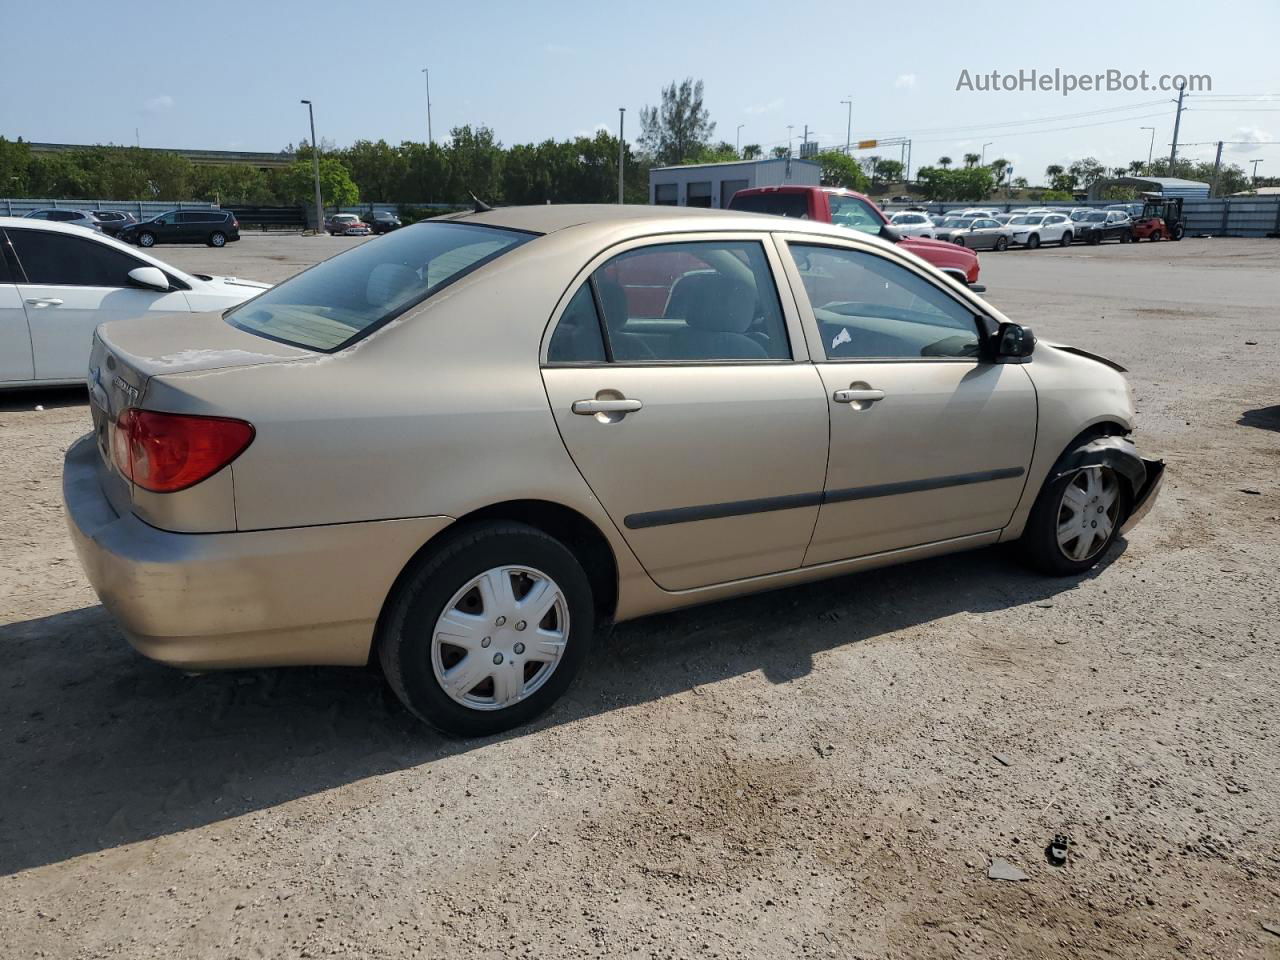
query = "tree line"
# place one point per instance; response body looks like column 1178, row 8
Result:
column 473, row 162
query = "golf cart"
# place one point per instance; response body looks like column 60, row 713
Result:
column 1161, row 217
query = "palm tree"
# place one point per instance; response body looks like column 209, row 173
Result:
column 971, row 159
column 998, row 168
column 944, row 162
column 1053, row 170
column 1136, row 167
column 752, row 151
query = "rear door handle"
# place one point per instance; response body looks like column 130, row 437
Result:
column 45, row 301
column 587, row 408
column 854, row 396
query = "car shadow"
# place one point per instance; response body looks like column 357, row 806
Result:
column 50, row 398
column 1264, row 418
column 101, row 747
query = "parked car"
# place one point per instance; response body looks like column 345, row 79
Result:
column 58, row 282
column 113, row 221
column 469, row 539
column 981, row 233
column 909, row 223
column 1079, row 213
column 1032, row 229
column 75, row 218
column 944, row 228
column 1003, row 218
column 1102, row 225
column 216, row 228
column 380, row 221
column 857, row 212
column 1133, row 209
column 1161, row 218
column 346, row 225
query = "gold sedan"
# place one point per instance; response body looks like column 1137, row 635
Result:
column 464, row 447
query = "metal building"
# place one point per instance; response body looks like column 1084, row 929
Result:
column 1163, row 186
column 714, row 184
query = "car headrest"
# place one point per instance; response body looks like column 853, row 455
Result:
column 712, row 301
column 388, row 284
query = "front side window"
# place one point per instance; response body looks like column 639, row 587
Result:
column 869, row 308
column 62, row 260
column 854, row 212
column 344, row 298
column 696, row 301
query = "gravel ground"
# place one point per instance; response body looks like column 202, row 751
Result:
column 823, row 771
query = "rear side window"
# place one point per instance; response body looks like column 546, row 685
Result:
column 347, row 297
column 777, row 204
column 62, row 260
column 577, row 338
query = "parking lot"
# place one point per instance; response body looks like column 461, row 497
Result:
column 827, row 770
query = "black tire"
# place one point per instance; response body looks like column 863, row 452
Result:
column 1093, row 239
column 1066, row 239
column 146, row 239
column 1178, row 233
column 1126, row 237
column 1040, row 538
column 958, row 241
column 1002, row 243
column 405, row 633
column 1033, row 241
column 1155, row 235
column 217, row 239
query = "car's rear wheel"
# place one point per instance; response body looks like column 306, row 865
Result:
column 1177, row 233
column 1033, row 241
column 146, row 239
column 1002, row 243
column 217, row 239
column 1066, row 239
column 1074, row 520
column 486, row 632
column 1155, row 234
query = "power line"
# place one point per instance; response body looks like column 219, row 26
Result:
column 1078, row 126
column 1021, row 123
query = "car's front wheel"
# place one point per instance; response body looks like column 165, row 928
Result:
column 1074, row 520
column 217, row 239
column 958, row 241
column 146, row 239
column 1155, row 234
column 486, row 632
column 1033, row 241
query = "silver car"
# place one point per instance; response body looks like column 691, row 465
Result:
column 461, row 449
column 983, row 233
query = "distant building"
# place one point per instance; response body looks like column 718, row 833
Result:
column 1160, row 186
column 714, row 184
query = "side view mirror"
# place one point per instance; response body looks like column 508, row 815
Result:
column 888, row 233
column 152, row 278
column 1014, row 341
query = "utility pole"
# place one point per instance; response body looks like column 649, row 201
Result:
column 790, row 127
column 315, row 167
column 1217, row 166
column 737, row 140
column 427, row 73
column 805, row 141
column 1255, row 171
column 622, row 147
column 1177, row 120
column 848, row 129
column 137, row 137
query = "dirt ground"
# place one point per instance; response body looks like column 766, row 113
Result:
column 825, row 771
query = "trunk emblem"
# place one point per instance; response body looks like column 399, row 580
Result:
column 128, row 389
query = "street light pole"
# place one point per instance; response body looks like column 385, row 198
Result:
column 737, row 140
column 983, row 162
column 622, row 112
column 315, row 167
column 790, row 126
column 848, row 130
column 427, row 73
column 1150, row 147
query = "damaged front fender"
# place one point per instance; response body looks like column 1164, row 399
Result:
column 1119, row 453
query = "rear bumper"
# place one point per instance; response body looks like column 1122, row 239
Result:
column 1146, row 497
column 308, row 595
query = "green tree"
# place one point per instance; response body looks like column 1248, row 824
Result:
column 972, row 159
column 676, row 130
column 752, row 151
column 336, row 186
column 944, row 162
column 998, row 168
column 1086, row 171
column 888, row 171
column 378, row 169
column 780, row 152
column 841, row 170
column 970, row 183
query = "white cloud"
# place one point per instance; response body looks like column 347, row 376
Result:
column 158, row 104
column 774, row 104
column 1250, row 136
column 906, row 81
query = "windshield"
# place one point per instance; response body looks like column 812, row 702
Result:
column 344, row 298
column 1095, row 217
column 1024, row 221
column 778, row 204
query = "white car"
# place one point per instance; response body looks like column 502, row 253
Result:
column 911, row 223
column 58, row 282
column 1030, row 230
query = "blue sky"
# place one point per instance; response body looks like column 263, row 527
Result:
column 228, row 74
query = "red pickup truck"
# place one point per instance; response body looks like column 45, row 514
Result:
column 853, row 210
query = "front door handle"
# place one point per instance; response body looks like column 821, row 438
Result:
column 44, row 301
column 587, row 408
column 857, row 396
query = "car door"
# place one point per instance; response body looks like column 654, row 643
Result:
column 680, row 382
column 1055, row 225
column 15, row 336
column 69, row 284
column 191, row 227
column 928, row 442
column 165, row 227
column 984, row 233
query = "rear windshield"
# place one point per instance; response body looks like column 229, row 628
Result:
column 342, row 299
column 778, row 204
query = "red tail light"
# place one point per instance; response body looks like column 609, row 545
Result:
column 166, row 452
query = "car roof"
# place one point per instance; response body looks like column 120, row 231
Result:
column 52, row 226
